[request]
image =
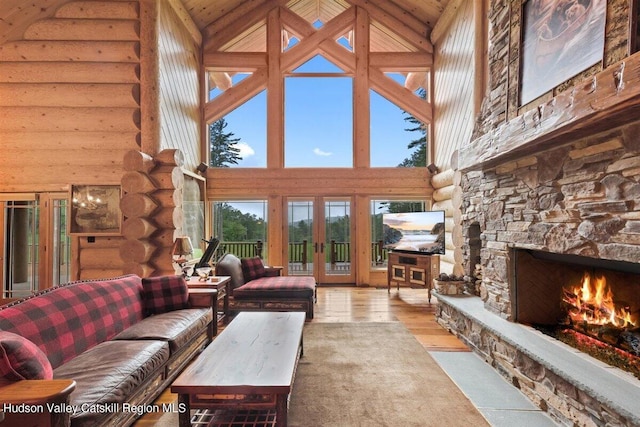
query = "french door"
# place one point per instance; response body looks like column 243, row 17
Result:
column 35, row 250
column 320, row 239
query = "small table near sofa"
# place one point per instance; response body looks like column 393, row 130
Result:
column 220, row 284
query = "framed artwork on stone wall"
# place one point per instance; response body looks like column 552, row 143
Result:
column 560, row 38
column 95, row 210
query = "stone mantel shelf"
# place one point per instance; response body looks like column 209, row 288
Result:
column 603, row 102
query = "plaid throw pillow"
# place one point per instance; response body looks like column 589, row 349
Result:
column 164, row 293
column 252, row 268
column 20, row 359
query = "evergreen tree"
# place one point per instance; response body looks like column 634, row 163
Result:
column 223, row 146
column 419, row 157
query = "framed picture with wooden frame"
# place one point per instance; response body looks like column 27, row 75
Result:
column 95, row 210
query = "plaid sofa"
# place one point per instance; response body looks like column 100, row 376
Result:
column 255, row 287
column 121, row 340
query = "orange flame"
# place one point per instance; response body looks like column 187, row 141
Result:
column 594, row 304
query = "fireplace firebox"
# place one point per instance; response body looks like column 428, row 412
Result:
column 591, row 304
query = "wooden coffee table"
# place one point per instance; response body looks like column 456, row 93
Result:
column 250, row 365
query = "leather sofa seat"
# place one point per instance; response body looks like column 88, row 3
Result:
column 175, row 327
column 110, row 373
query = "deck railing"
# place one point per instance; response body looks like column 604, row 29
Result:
column 301, row 252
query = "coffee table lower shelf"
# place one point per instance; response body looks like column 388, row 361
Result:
column 233, row 418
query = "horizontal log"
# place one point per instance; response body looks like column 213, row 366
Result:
column 98, row 242
column 139, row 269
column 81, row 29
column 99, row 258
column 137, row 161
column 448, row 240
column 70, row 140
column 442, row 179
column 448, row 224
column 168, row 198
column 64, row 50
column 70, row 158
column 167, row 177
column 135, row 205
column 137, row 182
column 137, row 228
column 104, row 273
column 136, row 251
column 443, row 193
column 607, row 100
column 99, row 10
column 56, row 177
column 457, row 236
column 69, row 95
column 445, row 206
column 170, row 157
column 168, row 218
column 49, row 119
column 68, row 72
column 446, row 267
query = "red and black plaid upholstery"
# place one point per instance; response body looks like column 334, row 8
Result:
column 252, row 268
column 20, row 359
column 66, row 320
column 165, row 293
column 277, row 287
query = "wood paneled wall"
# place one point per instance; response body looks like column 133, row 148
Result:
column 69, row 98
column 453, row 84
column 179, row 63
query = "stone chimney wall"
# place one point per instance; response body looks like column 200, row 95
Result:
column 581, row 199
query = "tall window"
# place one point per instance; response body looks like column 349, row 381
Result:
column 318, row 122
column 241, row 227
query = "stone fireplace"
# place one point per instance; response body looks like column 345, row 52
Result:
column 545, row 218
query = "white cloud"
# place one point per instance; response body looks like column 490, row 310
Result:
column 245, row 149
column 319, row 152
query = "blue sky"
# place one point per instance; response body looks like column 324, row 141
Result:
column 319, row 124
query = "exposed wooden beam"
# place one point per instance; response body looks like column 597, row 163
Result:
column 401, row 61
column 149, row 78
column 308, row 46
column 402, row 97
column 361, row 93
column 331, row 50
column 275, row 93
column 396, row 24
column 446, row 19
column 235, row 61
column 402, row 15
column 235, row 96
column 186, row 20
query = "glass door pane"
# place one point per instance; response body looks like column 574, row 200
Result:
column 300, row 237
column 336, row 238
column 61, row 253
column 20, row 248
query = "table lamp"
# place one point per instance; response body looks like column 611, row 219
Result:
column 182, row 248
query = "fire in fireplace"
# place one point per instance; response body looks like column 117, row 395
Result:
column 593, row 305
column 592, row 310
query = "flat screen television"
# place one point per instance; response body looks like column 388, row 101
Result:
column 414, row 232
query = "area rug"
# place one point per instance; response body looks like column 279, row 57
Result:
column 373, row 374
column 370, row 374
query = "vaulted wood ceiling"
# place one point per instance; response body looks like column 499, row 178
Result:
column 17, row 15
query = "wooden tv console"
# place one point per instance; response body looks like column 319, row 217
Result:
column 413, row 270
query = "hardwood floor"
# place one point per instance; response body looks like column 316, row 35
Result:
column 351, row 304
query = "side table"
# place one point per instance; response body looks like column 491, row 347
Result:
column 221, row 285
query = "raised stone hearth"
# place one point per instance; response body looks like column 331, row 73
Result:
column 574, row 389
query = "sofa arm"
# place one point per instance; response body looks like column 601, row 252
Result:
column 273, row 271
column 25, row 402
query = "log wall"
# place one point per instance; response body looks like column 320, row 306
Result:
column 69, row 97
